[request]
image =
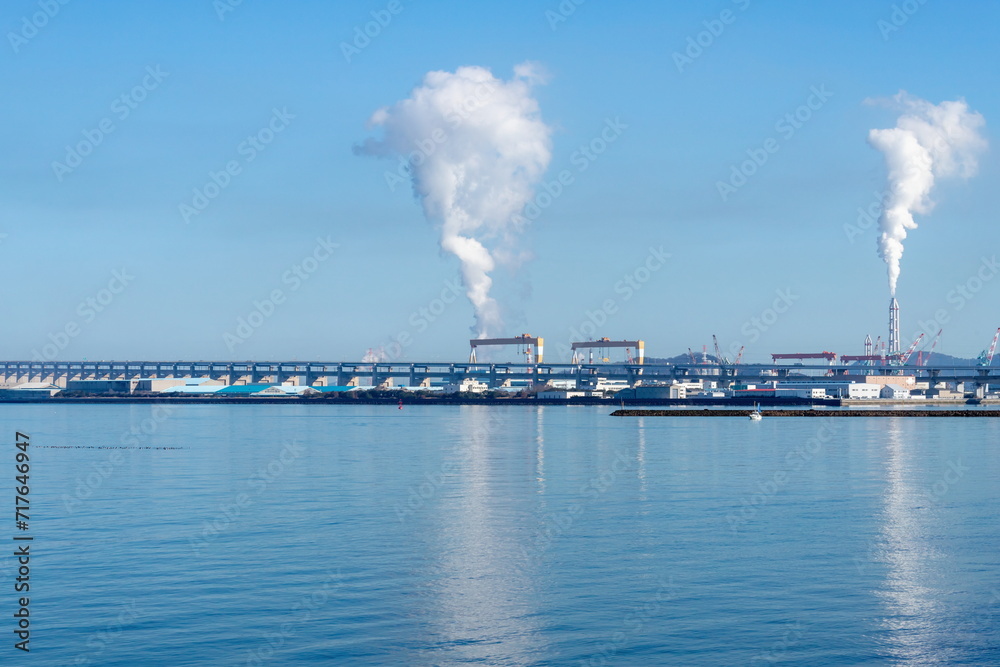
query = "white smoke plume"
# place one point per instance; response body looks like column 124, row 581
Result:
column 929, row 142
column 474, row 147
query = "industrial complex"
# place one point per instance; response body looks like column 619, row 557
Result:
column 883, row 373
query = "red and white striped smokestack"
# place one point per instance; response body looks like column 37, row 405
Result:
column 894, row 327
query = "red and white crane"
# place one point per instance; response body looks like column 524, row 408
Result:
column 718, row 352
column 986, row 357
column 906, row 355
column 922, row 359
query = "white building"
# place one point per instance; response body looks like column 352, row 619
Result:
column 610, row 386
column 834, row 389
column 467, row 385
column 894, row 391
column 863, row 390
column 800, row 392
column 562, row 393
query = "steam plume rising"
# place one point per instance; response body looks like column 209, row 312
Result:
column 928, row 142
column 474, row 147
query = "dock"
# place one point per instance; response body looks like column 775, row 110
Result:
column 707, row 412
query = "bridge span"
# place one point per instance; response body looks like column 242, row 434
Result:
column 494, row 374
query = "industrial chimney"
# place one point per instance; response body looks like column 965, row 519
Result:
column 894, row 327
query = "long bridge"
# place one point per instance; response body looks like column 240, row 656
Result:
column 494, row 374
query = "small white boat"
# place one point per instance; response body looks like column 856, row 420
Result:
column 755, row 416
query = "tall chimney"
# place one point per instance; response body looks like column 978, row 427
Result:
column 894, row 327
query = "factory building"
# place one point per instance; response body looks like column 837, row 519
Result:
column 894, row 391
column 29, row 391
column 102, row 386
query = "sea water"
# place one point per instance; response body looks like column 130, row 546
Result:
column 491, row 535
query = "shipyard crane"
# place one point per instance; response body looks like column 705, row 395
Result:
column 718, row 352
column 739, row 356
column 691, row 354
column 921, row 359
column 872, row 353
column 986, row 356
column 529, row 343
column 606, row 344
column 906, row 355
column 829, row 356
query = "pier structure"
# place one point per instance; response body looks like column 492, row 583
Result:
column 343, row 373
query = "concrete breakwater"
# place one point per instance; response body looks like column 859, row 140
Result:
column 706, row 412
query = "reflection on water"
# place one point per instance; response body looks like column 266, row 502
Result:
column 485, row 593
column 540, row 450
column 914, row 610
column 641, row 459
column 428, row 513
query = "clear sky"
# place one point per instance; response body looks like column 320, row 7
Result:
column 199, row 79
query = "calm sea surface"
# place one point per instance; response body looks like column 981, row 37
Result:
column 442, row 535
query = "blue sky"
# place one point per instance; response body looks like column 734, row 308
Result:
column 218, row 81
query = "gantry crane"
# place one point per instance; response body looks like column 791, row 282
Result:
column 606, row 343
column 532, row 347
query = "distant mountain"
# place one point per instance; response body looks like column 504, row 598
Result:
column 680, row 359
column 936, row 358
